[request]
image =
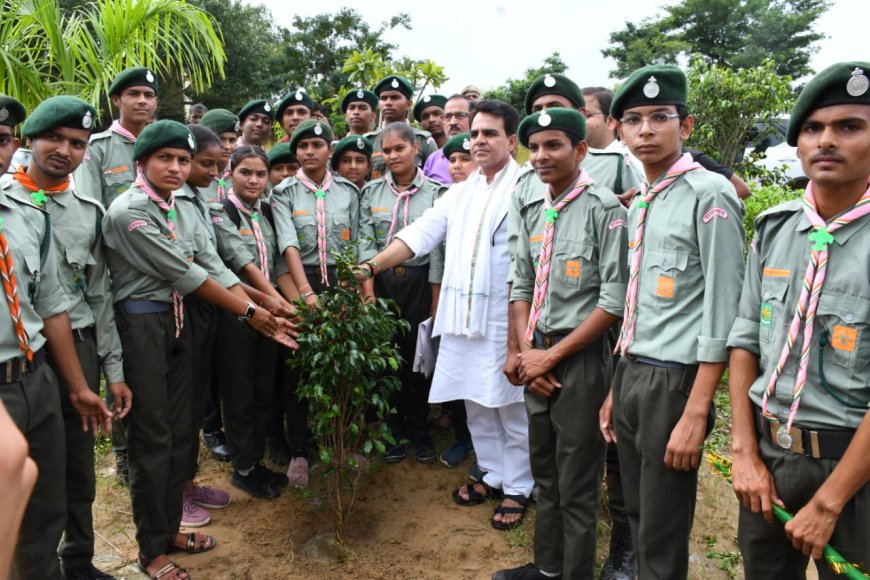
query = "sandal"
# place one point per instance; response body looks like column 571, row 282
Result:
column 503, row 510
column 162, row 572
column 193, row 547
column 474, row 496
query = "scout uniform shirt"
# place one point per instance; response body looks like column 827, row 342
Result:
column 77, row 232
column 376, row 211
column 108, row 169
column 427, row 147
column 691, row 269
column 229, row 237
column 146, row 264
column 295, row 211
column 34, row 261
column 778, row 259
column 589, row 265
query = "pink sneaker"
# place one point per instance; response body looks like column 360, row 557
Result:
column 297, row 473
column 193, row 516
column 208, row 497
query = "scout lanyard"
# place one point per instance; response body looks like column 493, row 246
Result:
column 10, row 287
column 37, row 194
column 254, row 214
column 821, row 237
column 320, row 194
column 400, row 197
column 222, row 184
column 629, row 319
column 120, row 130
column 167, row 206
column 542, row 272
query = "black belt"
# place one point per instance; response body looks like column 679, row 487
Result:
column 144, row 306
column 548, row 340
column 402, row 271
column 667, row 364
column 13, row 370
column 820, row 444
column 309, row 270
column 82, row 334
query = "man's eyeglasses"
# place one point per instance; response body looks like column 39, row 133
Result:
column 656, row 121
column 457, row 116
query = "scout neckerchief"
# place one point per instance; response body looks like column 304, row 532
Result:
column 320, row 194
column 820, row 237
column 254, row 214
column 37, row 194
column 222, row 184
column 401, row 196
column 10, row 287
column 168, row 206
column 120, row 130
column 542, row 272
column 629, row 319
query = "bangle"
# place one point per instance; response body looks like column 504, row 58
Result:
column 374, row 266
column 307, row 294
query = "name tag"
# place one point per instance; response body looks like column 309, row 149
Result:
column 844, row 338
column 665, row 287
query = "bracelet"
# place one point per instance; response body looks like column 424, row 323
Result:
column 307, row 294
column 374, row 266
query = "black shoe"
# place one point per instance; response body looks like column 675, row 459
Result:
column 424, row 451
column 85, row 572
column 217, row 443
column 273, row 477
column 279, row 453
column 396, row 453
column 256, row 483
column 620, row 564
column 122, row 471
column 527, row 572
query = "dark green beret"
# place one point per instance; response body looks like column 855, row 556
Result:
column 362, row 95
column 554, row 84
column 11, row 111
column 281, row 153
column 257, row 106
column 220, row 121
column 426, row 102
column 570, row 121
column 62, row 111
column 845, row 83
column 137, row 76
column 355, row 143
column 461, row 143
column 308, row 129
column 300, row 97
column 395, row 83
column 658, row 84
column 163, row 133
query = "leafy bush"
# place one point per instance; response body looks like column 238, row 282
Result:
column 765, row 197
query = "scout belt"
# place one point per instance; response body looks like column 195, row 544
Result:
column 818, row 444
column 82, row 334
column 402, row 271
column 547, row 340
column 144, row 306
column 14, row 370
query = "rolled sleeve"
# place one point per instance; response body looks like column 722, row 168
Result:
column 746, row 328
column 230, row 245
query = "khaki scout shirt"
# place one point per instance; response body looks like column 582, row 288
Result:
column 295, row 211
column 427, row 147
column 376, row 211
column 588, row 268
column 229, row 236
column 778, row 260
column 691, row 271
column 108, row 169
column 40, row 292
column 82, row 269
column 145, row 263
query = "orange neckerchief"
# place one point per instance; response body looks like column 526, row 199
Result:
column 37, row 195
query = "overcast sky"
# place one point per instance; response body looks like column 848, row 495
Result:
column 485, row 42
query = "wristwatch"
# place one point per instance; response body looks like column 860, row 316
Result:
column 251, row 310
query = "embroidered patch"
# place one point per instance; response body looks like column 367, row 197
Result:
column 844, row 338
column 714, row 213
column 631, row 244
column 115, row 170
column 136, row 224
column 217, row 220
column 572, row 268
column 380, row 210
column 620, row 223
column 534, row 239
column 381, row 233
column 301, row 212
column 765, row 315
column 776, row 273
column 665, row 287
column 246, row 232
column 345, row 235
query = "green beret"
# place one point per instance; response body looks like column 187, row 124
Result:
column 395, row 83
column 461, row 143
column 163, row 133
column 62, row 111
column 308, row 129
column 426, row 102
column 570, row 121
column 300, row 97
column 845, row 83
column 220, row 121
column 554, row 84
column 651, row 85
column 281, row 153
column 351, row 143
column 137, row 76
column 363, row 95
column 11, row 111
column 257, row 106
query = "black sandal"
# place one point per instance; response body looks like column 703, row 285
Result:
column 503, row 510
column 209, row 543
column 162, row 572
column 474, row 496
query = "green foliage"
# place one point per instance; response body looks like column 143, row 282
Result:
column 732, row 33
column 513, row 91
column 727, row 103
column 346, row 360
column 763, row 198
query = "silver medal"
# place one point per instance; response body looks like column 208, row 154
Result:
column 267, row 108
column 466, row 144
column 87, row 121
column 149, row 76
column 544, row 120
column 298, row 96
column 318, row 130
column 651, row 88
column 360, row 144
column 360, row 95
column 549, row 81
column 395, row 84
column 784, row 438
column 427, row 98
column 858, row 84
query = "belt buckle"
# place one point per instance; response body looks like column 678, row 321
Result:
column 788, row 439
column 547, row 340
column 399, row 271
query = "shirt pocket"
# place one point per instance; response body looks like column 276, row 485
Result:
column 186, row 249
column 118, row 182
column 79, row 259
column 666, row 270
column 572, row 264
column 382, row 221
column 339, row 231
column 845, row 319
column 306, row 231
column 772, row 314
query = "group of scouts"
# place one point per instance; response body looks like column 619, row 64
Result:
column 587, row 305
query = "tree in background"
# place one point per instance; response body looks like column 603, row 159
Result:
column 732, row 33
column 513, row 91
